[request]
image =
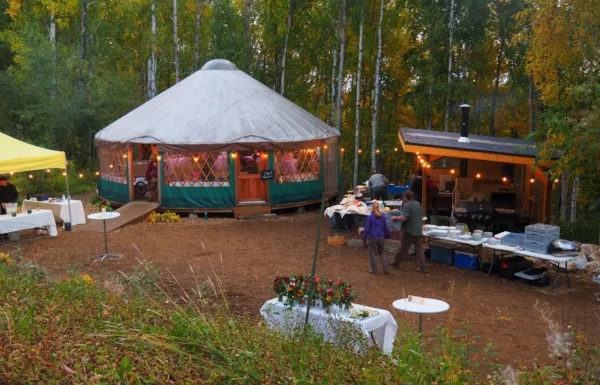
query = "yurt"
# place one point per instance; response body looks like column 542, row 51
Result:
column 220, row 141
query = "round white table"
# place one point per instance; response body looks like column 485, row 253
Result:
column 104, row 217
column 429, row 306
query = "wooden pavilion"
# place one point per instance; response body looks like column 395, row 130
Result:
column 490, row 164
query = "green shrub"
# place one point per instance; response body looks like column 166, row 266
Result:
column 53, row 182
column 584, row 230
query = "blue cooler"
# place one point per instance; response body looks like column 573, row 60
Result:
column 466, row 260
column 442, row 254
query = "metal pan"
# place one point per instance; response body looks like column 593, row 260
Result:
column 564, row 245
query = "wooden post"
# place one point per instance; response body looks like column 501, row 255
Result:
column 424, row 191
column 547, row 201
column 130, row 172
column 160, row 167
column 527, row 190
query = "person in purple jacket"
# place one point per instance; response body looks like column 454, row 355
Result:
column 376, row 230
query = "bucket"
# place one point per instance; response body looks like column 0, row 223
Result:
column 11, row 208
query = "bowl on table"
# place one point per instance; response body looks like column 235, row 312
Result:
column 430, row 227
column 453, row 234
column 438, row 233
column 488, row 234
column 493, row 241
column 477, row 236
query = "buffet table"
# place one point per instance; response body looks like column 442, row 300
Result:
column 24, row 221
column 473, row 244
column 555, row 261
column 59, row 209
column 379, row 329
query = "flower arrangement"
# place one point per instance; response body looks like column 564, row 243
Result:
column 293, row 290
column 104, row 205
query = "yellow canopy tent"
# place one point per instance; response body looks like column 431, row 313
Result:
column 17, row 156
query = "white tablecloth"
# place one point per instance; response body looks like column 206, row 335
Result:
column 60, row 210
column 382, row 325
column 42, row 218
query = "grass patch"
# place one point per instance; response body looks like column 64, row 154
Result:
column 131, row 330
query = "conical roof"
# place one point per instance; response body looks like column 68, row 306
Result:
column 217, row 108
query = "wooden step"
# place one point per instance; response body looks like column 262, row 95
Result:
column 251, row 210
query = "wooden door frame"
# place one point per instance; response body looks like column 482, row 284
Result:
column 265, row 162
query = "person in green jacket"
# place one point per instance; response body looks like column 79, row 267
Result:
column 412, row 216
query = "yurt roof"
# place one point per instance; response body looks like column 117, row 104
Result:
column 217, row 108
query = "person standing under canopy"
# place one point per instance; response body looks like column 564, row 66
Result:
column 416, row 185
column 152, row 178
column 8, row 193
column 378, row 186
column 412, row 216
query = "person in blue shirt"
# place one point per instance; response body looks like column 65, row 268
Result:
column 376, row 230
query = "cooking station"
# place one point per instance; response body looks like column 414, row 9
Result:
column 497, row 215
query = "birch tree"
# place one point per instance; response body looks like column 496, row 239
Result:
column 247, row 34
column 358, row 83
column 152, row 61
column 340, row 90
column 450, row 46
column 197, row 35
column 532, row 106
column 175, row 42
column 333, row 104
column 574, row 198
column 288, row 26
column 377, row 89
column 564, row 196
column 83, row 35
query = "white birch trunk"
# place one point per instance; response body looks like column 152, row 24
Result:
column 247, row 34
column 285, row 44
column 175, row 42
column 564, row 195
column 430, row 93
column 574, row 196
column 52, row 38
column 84, row 10
column 340, row 90
column 377, row 90
column 532, row 106
column 52, row 30
column 499, row 60
column 152, row 61
column 333, row 83
column 197, row 37
column 447, row 115
column 358, row 80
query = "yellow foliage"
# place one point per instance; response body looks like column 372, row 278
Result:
column 14, row 8
column 167, row 216
column 88, row 279
column 5, row 258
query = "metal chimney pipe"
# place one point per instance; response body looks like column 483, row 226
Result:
column 464, row 126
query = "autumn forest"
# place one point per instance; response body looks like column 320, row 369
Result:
column 528, row 68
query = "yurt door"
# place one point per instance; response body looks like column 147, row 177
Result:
column 250, row 187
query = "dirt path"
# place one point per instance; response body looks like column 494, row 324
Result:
column 248, row 255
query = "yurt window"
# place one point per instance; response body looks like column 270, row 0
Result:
column 297, row 165
column 207, row 169
column 112, row 165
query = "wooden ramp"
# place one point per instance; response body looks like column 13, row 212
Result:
column 130, row 213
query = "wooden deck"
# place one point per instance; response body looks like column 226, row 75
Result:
column 130, row 213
